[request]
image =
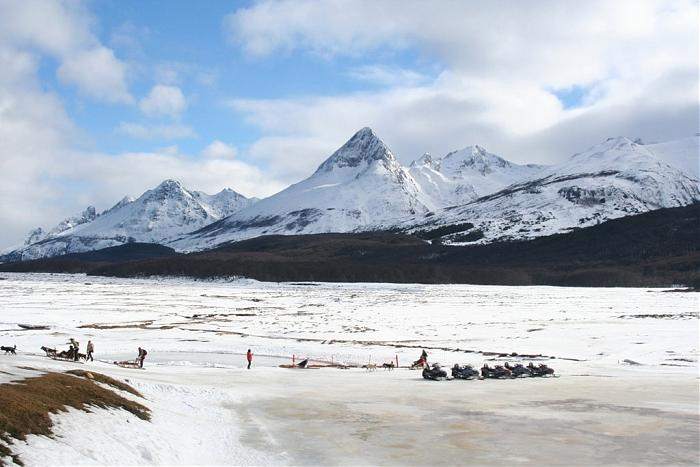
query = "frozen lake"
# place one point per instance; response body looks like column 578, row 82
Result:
column 209, row 410
column 216, row 322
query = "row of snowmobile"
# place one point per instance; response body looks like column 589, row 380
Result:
column 507, row 371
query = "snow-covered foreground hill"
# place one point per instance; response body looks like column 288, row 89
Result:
column 207, row 409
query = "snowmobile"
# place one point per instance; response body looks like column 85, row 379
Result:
column 497, row 372
column 435, row 373
column 464, row 372
column 518, row 370
column 540, row 370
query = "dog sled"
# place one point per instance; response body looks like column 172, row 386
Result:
column 63, row 355
column 302, row 365
column 132, row 364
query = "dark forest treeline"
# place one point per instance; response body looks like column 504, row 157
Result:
column 659, row 248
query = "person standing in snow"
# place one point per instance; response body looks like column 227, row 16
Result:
column 88, row 352
column 249, row 357
column 74, row 348
column 142, row 356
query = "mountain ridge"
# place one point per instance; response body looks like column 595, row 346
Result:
column 468, row 196
column 160, row 213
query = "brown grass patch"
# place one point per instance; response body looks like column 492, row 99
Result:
column 26, row 405
column 115, row 383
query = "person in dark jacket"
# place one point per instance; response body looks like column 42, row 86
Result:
column 142, row 356
column 249, row 357
column 74, row 349
column 88, row 352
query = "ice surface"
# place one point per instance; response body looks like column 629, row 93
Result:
column 207, row 409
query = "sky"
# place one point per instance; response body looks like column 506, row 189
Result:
column 102, row 99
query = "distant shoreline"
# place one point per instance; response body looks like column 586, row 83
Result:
column 654, row 249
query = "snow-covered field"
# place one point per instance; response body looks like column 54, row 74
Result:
column 207, row 409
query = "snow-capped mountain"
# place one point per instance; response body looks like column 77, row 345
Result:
column 167, row 211
column 359, row 187
column 465, row 175
column 613, row 179
column 38, row 234
column 466, row 196
column 224, row 203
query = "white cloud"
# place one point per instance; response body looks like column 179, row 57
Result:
column 105, row 179
column 163, row 100
column 292, row 158
column 522, row 123
column 501, row 61
column 39, row 163
column 386, row 75
column 34, row 132
column 54, row 27
column 98, row 73
column 219, row 150
column 168, row 131
column 172, row 150
column 63, row 30
column 557, row 43
column 44, row 175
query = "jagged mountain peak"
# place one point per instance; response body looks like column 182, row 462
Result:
column 474, row 156
column 34, row 235
column 363, row 147
column 426, row 160
column 167, row 189
column 614, row 153
column 89, row 213
column 463, row 175
column 122, row 202
column 170, row 184
column 230, row 194
column 615, row 143
column 228, row 191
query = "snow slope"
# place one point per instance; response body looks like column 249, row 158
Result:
column 682, row 153
column 464, row 175
column 359, row 187
column 161, row 213
column 612, row 179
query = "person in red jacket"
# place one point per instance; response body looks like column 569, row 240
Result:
column 249, row 357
